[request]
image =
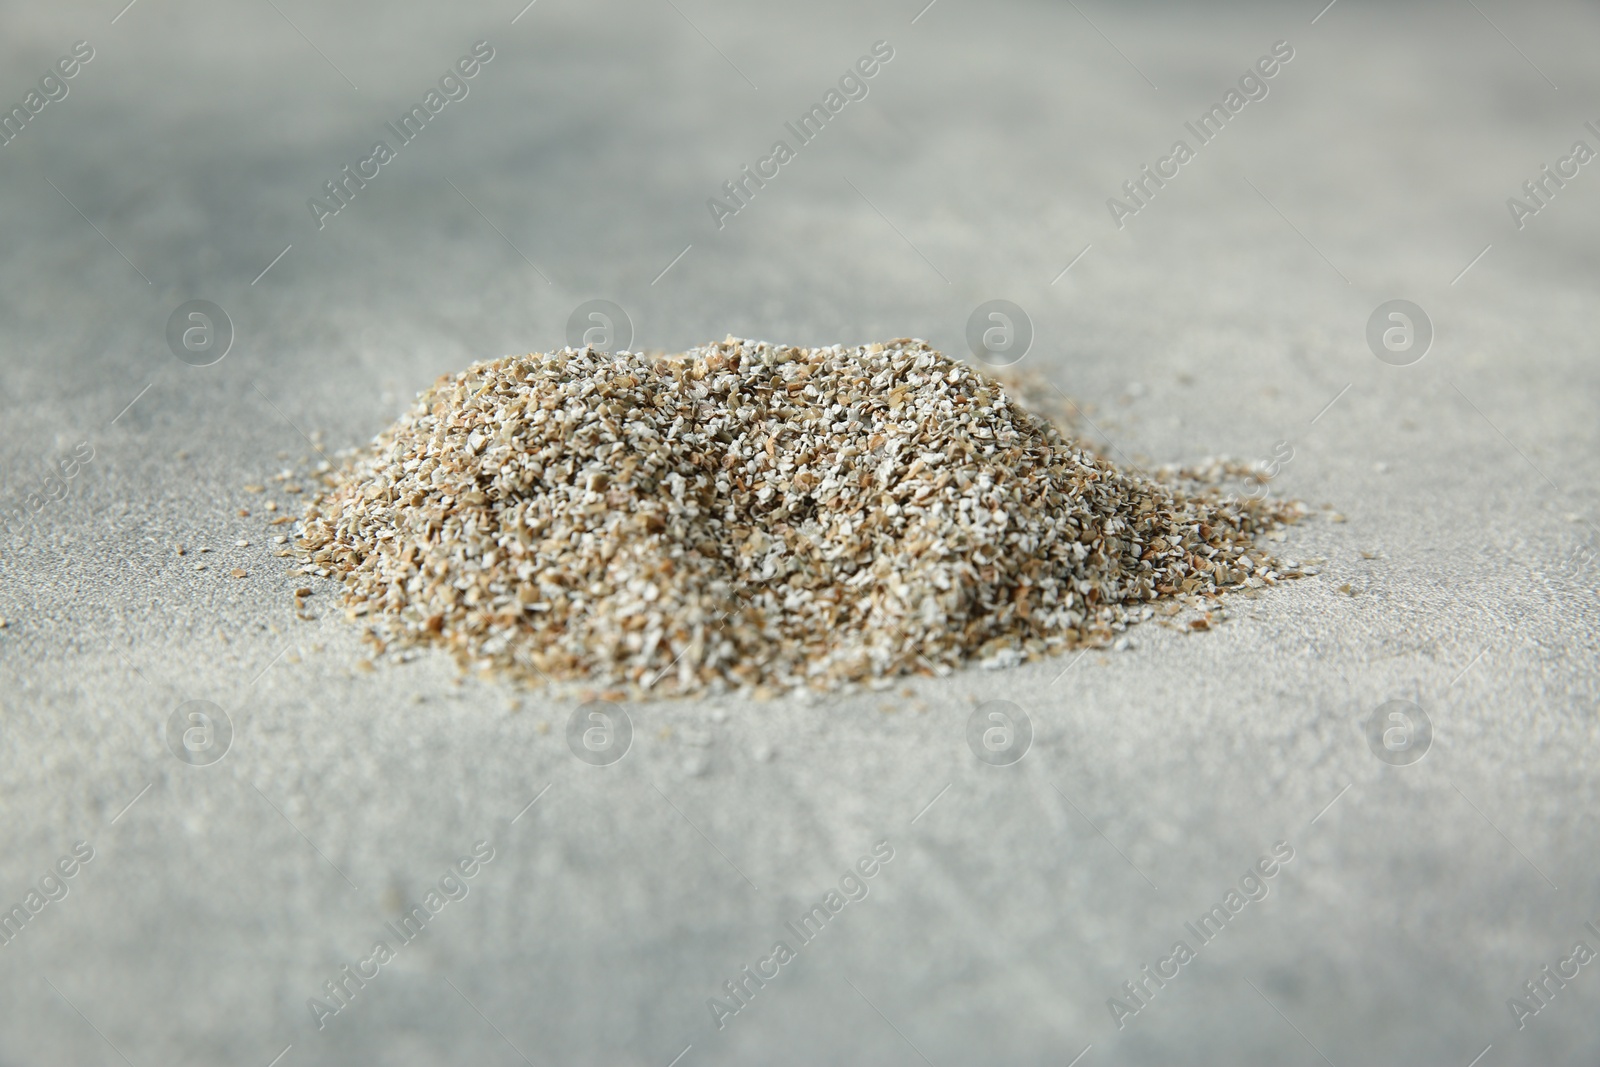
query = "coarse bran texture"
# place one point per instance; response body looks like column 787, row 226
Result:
column 757, row 516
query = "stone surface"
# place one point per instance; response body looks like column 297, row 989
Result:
column 1223, row 318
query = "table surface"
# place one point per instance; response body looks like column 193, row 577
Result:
column 1227, row 314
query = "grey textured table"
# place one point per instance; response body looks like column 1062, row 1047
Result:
column 1227, row 314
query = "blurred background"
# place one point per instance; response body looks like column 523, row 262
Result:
column 1245, row 305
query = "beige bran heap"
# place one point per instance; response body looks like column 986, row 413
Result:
column 755, row 515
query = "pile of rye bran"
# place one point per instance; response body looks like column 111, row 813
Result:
column 756, row 516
